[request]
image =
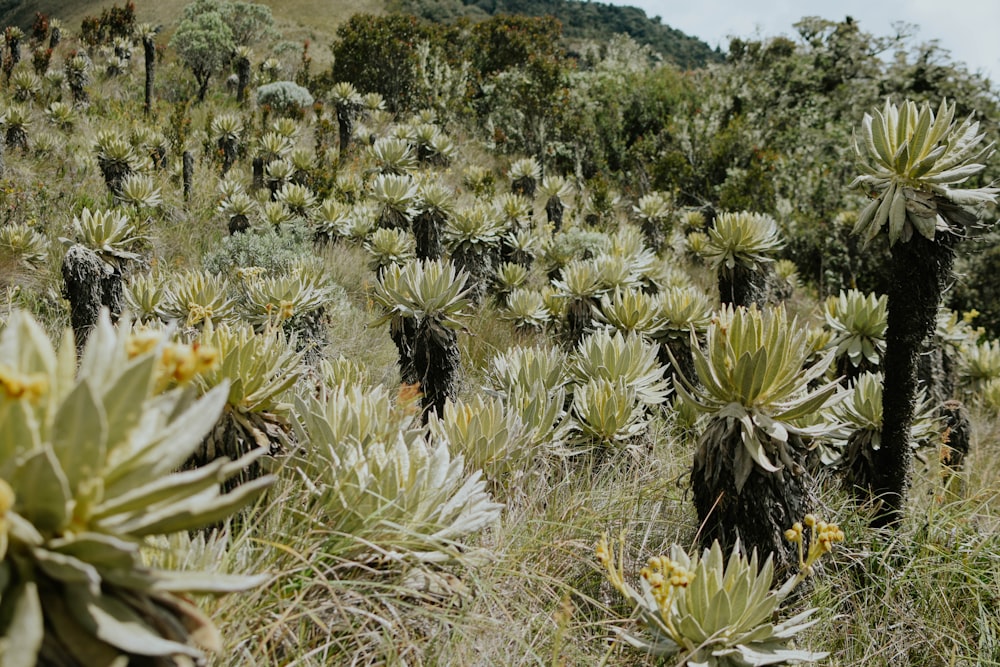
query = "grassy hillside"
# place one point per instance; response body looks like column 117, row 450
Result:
column 318, row 19
column 269, row 250
column 320, row 16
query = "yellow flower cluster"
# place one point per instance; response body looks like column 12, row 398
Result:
column 821, row 540
column 179, row 363
column 198, row 313
column 249, row 273
column 616, row 573
column 663, row 576
column 15, row 385
column 142, row 341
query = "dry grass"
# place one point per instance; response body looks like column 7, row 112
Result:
column 318, row 18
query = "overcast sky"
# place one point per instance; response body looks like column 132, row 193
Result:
column 967, row 28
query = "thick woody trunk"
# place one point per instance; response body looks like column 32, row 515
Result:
column 89, row 284
column 427, row 231
column 741, row 286
column 757, row 515
column 149, row 51
column 242, row 79
column 920, row 269
column 436, row 362
column 187, row 173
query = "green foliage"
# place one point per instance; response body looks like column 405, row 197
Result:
column 204, row 41
column 385, row 486
column 716, row 613
column 423, row 290
column 87, row 474
column 859, row 322
column 580, row 21
column 378, row 54
column 914, row 166
column 747, row 239
column 751, row 379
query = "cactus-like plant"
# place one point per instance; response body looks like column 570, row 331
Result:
column 23, row 244
column 740, row 247
column 425, row 304
column 915, row 166
column 607, row 412
column 197, row 297
column 616, row 272
column 258, row 370
column 748, row 478
column 979, row 364
column 113, row 235
column 227, row 132
column 140, row 192
column 479, row 180
column 86, row 476
column 238, row 207
column 524, row 175
column 858, row 321
column 398, row 199
column 360, row 223
column 617, row 357
column 712, row 613
column 347, row 102
column 860, row 437
column 25, row 85
column 116, row 158
column 16, row 120
column 474, row 235
column 653, row 211
column 437, row 205
column 556, row 191
column 489, row 435
column 382, row 484
column 272, row 146
column 526, row 309
column 295, row 300
column 524, row 367
column 143, row 295
column 60, row 114
column 631, row 311
column 509, row 276
column 393, row 155
column 682, row 310
column 298, row 199
column 578, row 287
column 388, row 247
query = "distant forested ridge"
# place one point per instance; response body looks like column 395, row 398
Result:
column 580, row 20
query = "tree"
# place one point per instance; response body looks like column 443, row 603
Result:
column 204, row 41
column 914, row 164
column 249, row 22
column 378, row 54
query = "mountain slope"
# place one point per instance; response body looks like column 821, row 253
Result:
column 318, row 16
column 318, row 19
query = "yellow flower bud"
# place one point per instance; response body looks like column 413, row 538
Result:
column 810, row 520
column 6, row 497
